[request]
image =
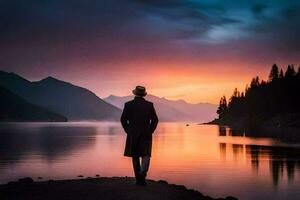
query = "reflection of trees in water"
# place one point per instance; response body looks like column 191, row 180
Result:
column 226, row 131
column 222, row 131
column 222, row 147
column 281, row 159
column 253, row 152
column 286, row 136
column 237, row 150
column 50, row 141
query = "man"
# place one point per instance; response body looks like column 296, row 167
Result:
column 139, row 121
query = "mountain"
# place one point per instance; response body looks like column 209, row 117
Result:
column 172, row 111
column 15, row 108
column 76, row 103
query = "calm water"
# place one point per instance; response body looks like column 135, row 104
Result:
column 217, row 162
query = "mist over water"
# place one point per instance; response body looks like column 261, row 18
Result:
column 215, row 161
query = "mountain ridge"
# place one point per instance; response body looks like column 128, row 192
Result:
column 172, row 110
column 15, row 108
column 74, row 102
column 78, row 103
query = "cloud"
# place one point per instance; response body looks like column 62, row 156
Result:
column 258, row 9
column 124, row 42
column 122, row 30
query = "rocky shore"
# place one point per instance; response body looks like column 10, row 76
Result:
column 104, row 188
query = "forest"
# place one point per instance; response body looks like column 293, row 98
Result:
column 272, row 104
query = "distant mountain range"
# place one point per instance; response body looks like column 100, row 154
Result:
column 15, row 108
column 173, row 111
column 52, row 96
column 76, row 103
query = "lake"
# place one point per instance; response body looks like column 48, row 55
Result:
column 216, row 161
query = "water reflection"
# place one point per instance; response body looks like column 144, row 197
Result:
column 284, row 136
column 226, row 131
column 50, row 142
column 216, row 160
column 283, row 160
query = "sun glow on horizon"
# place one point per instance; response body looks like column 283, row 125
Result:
column 173, row 82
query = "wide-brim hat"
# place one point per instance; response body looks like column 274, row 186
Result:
column 139, row 91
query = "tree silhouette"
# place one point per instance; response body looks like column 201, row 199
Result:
column 222, row 109
column 273, row 73
column 290, row 71
column 246, row 89
column 271, row 101
column 242, row 95
column 236, row 93
column 254, row 82
column 281, row 74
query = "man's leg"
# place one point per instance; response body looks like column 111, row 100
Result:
column 145, row 166
column 136, row 167
column 145, row 163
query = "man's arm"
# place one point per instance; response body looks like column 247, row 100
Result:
column 154, row 119
column 124, row 118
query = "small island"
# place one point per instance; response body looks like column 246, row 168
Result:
column 119, row 188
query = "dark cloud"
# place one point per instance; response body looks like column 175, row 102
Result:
column 160, row 4
column 100, row 30
column 259, row 8
column 291, row 12
column 48, row 17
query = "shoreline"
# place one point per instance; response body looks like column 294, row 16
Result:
column 290, row 134
column 104, row 188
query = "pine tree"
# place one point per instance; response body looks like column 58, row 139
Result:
column 281, row 74
column 236, row 93
column 290, row 71
column 273, row 73
column 298, row 72
column 222, row 109
column 254, row 82
column 246, row 90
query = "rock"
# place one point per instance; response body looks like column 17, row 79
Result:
column 26, row 180
column 163, row 182
column 12, row 183
column 104, row 188
column 230, row 198
column 39, row 178
column 97, row 175
column 80, row 176
column 179, row 187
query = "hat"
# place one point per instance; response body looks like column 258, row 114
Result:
column 139, row 91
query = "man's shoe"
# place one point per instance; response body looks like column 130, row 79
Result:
column 143, row 179
column 143, row 183
column 140, row 180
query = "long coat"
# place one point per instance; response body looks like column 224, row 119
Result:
column 139, row 121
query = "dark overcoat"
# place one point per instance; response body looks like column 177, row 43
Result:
column 139, row 121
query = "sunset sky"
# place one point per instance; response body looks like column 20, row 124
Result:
column 196, row 50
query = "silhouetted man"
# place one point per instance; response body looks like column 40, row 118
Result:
column 139, row 121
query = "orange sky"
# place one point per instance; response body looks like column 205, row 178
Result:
column 191, row 83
